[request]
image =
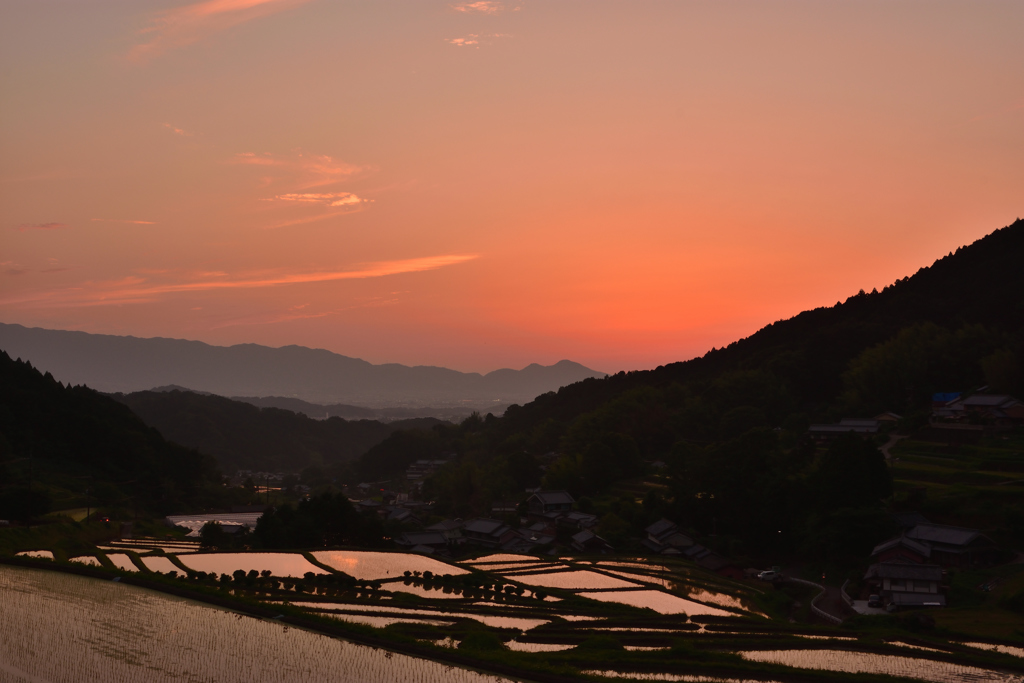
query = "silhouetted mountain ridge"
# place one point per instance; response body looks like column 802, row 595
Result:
column 112, row 364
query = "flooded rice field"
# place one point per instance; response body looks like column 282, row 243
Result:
column 365, row 565
column 521, row 623
column 434, row 593
column 156, row 563
column 381, row 622
column 59, row 627
column 501, row 557
column 122, row 562
column 688, row 678
column 516, row 646
column 87, row 560
column 579, row 579
column 662, row 603
column 890, row 665
column 41, row 554
column 1004, row 649
column 279, row 564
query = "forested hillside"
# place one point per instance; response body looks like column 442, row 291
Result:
column 243, row 436
column 729, row 426
column 66, row 446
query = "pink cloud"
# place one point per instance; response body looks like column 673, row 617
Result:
column 188, row 24
column 475, row 39
column 306, row 170
column 41, row 226
column 479, row 7
column 135, row 289
column 328, row 198
column 177, row 131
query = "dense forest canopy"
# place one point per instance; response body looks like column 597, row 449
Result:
column 62, row 441
column 244, row 436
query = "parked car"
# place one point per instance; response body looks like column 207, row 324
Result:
column 769, row 575
column 874, row 601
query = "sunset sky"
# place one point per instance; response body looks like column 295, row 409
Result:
column 489, row 184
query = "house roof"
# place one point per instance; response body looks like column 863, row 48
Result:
column 660, row 527
column 922, row 549
column 946, row 535
column 422, row 538
column 489, row 527
column 908, row 520
column 988, row 401
column 899, row 570
column 447, row 525
column 584, row 536
column 554, row 497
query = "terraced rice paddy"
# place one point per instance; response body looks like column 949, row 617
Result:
column 160, row 564
column 580, row 579
column 365, row 565
column 889, row 665
column 87, row 560
column 588, row 602
column 122, row 562
column 61, row 627
column 486, row 619
column 40, row 554
column 1004, row 649
column 688, row 678
column 279, row 564
column 662, row 603
column 420, row 590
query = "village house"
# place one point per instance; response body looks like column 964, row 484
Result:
column 953, row 546
column 423, row 542
column 489, row 533
column 907, row 584
column 664, row 537
column 546, row 502
column 589, row 542
column 902, row 549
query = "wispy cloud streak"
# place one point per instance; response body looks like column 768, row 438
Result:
column 479, row 7
column 186, row 25
column 136, row 290
column 119, row 220
column 328, row 198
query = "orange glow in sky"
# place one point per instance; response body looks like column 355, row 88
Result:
column 493, row 183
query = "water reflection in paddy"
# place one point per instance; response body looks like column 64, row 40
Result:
column 365, row 565
column 381, row 622
column 422, row 591
column 389, row 610
column 704, row 595
column 122, row 562
column 160, row 564
column 891, row 665
column 574, row 580
column 688, row 678
column 635, row 565
column 279, row 564
column 516, row 646
column 86, row 559
column 502, row 557
column 63, row 627
column 39, row 554
column 662, row 603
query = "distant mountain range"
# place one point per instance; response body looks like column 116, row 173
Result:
column 126, row 364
